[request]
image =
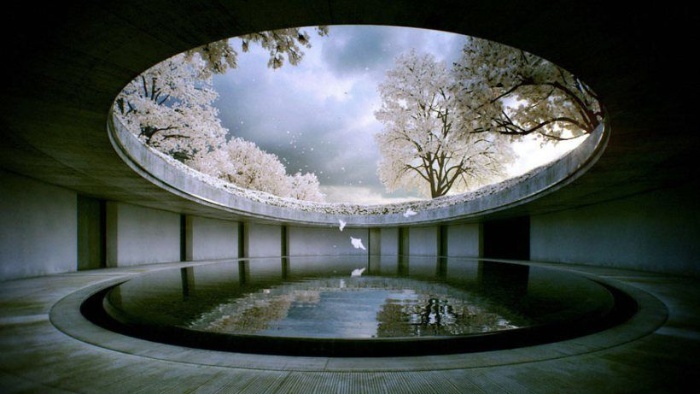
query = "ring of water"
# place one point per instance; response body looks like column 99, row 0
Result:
column 398, row 306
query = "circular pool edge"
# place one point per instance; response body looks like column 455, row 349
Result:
column 65, row 316
column 623, row 309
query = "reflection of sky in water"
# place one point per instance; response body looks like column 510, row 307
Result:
column 254, row 299
column 367, row 307
column 337, row 314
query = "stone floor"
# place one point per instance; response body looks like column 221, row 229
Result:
column 46, row 346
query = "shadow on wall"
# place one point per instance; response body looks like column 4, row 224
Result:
column 507, row 238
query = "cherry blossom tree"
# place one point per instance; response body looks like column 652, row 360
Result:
column 280, row 44
column 305, row 187
column 170, row 108
column 512, row 92
column 426, row 144
column 242, row 163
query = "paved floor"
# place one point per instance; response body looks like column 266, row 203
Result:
column 46, row 346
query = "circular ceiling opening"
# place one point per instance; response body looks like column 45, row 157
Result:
column 367, row 117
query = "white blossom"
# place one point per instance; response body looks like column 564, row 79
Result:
column 506, row 90
column 170, row 108
column 425, row 144
column 243, row 164
column 305, row 187
column 351, row 209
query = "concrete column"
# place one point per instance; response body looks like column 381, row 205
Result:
column 375, row 241
column 285, row 241
column 139, row 235
column 423, row 241
column 112, row 234
column 210, row 239
column 442, row 238
column 185, row 238
column 389, row 239
column 404, row 241
column 463, row 240
column 91, row 233
column 242, row 240
column 263, row 240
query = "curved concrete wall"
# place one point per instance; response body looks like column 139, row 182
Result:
column 657, row 231
column 40, row 235
column 517, row 191
column 310, row 241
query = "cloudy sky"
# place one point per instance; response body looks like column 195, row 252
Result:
column 318, row 116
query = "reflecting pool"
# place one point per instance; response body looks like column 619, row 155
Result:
column 398, row 305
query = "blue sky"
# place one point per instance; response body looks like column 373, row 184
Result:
column 318, row 116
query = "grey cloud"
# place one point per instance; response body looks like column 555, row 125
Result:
column 373, row 49
column 359, row 49
column 324, row 136
column 307, row 136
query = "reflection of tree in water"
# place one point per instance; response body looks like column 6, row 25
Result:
column 436, row 316
column 412, row 308
column 254, row 312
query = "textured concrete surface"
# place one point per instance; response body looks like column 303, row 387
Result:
column 305, row 241
column 38, row 228
column 656, row 231
column 139, row 235
column 47, row 346
column 210, row 239
column 463, row 240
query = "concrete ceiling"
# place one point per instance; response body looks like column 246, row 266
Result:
column 65, row 63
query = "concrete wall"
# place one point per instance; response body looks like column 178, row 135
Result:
column 389, row 241
column 138, row 235
column 209, row 239
column 309, row 241
column 263, row 240
column 423, row 241
column 464, row 240
column 38, row 235
column 656, row 232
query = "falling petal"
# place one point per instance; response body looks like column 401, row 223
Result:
column 357, row 272
column 357, row 243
